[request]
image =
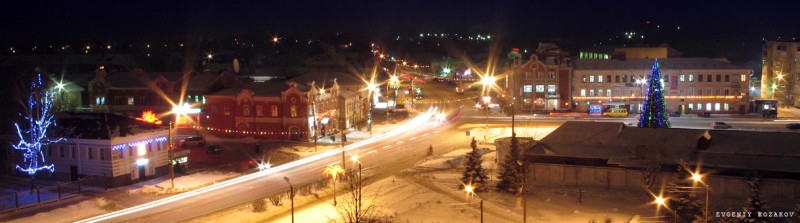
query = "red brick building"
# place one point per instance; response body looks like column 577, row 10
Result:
column 542, row 84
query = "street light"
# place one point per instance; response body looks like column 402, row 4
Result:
column 371, row 87
column 471, row 191
column 358, row 196
column 698, row 178
column 662, row 201
column 291, row 195
column 334, row 171
column 486, row 101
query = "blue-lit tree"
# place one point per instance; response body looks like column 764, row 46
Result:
column 33, row 136
column 654, row 112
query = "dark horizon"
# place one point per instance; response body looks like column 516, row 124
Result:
column 706, row 28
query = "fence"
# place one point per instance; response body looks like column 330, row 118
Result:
column 612, row 177
column 42, row 195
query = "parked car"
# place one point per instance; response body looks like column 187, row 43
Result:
column 720, row 125
column 793, row 126
column 215, row 149
column 192, row 141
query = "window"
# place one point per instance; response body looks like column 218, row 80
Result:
column 61, row 151
column 527, row 75
column 708, row 106
column 293, row 111
column 551, row 75
column 540, row 88
column 700, row 91
column 213, row 110
column 608, row 92
column 691, row 91
column 616, row 92
column 245, row 110
column 583, row 79
column 716, row 106
column 599, row 78
column 717, row 91
column 117, row 101
column 131, row 100
column 682, row 78
column 100, row 100
column 90, row 153
column 699, row 78
column 681, row 92
column 130, row 151
column 591, row 93
column 583, row 92
column 691, row 77
column 591, row 78
column 227, row 110
column 608, row 78
column 708, row 91
column 260, row 110
column 725, row 106
column 551, row 89
column 144, row 101
column 727, row 91
column 727, row 78
column 540, row 75
column 527, row 88
column 616, row 78
column 599, row 92
column 719, row 77
column 666, row 78
column 744, row 78
column 624, row 78
column 699, row 107
column 102, row 154
column 274, row 111
column 691, row 107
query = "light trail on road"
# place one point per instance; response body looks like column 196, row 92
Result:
column 410, row 125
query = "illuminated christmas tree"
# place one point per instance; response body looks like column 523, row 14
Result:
column 654, row 112
column 39, row 117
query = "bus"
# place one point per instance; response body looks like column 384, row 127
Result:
column 616, row 112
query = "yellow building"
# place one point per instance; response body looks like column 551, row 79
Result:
column 780, row 72
column 692, row 85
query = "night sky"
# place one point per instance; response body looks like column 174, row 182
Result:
column 578, row 24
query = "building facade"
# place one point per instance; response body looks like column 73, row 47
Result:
column 692, row 85
column 542, row 85
column 780, row 74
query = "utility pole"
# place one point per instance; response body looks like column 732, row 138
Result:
column 171, row 159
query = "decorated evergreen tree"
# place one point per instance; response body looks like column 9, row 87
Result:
column 654, row 111
column 755, row 203
column 473, row 172
column 685, row 200
column 510, row 170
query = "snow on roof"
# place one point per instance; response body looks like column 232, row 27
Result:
column 665, row 64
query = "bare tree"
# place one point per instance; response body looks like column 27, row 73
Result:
column 276, row 200
column 359, row 207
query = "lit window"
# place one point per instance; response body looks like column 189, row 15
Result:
column 699, row 106
column 130, row 100
column 591, row 93
column 591, row 78
column 682, row 78
column 583, row 92
column 708, row 106
column 583, row 79
column 725, row 106
column 551, row 89
column 691, row 107
column 527, row 88
column 245, row 110
column 599, row 78
column 539, row 88
column 744, row 78
column 716, row 106
column 260, row 110
column 226, row 110
column 608, row 92
column 293, row 111
column 274, row 111
column 691, row 77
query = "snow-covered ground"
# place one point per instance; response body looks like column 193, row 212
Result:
column 101, row 205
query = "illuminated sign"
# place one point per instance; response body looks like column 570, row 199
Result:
column 142, row 161
column 149, row 116
column 141, row 149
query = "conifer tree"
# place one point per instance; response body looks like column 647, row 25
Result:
column 685, row 200
column 654, row 110
column 510, row 170
column 755, row 203
column 473, row 172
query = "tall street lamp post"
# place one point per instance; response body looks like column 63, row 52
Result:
column 662, row 201
column 334, row 171
column 358, row 184
column 291, row 195
column 471, row 191
column 523, row 189
column 698, row 178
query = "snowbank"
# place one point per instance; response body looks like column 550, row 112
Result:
column 185, row 183
column 71, row 213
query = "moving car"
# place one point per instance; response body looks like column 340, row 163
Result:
column 720, row 125
column 793, row 126
column 215, row 149
column 192, row 141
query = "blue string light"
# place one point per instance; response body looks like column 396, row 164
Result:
column 40, row 118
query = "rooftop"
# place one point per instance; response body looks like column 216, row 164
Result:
column 665, row 64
